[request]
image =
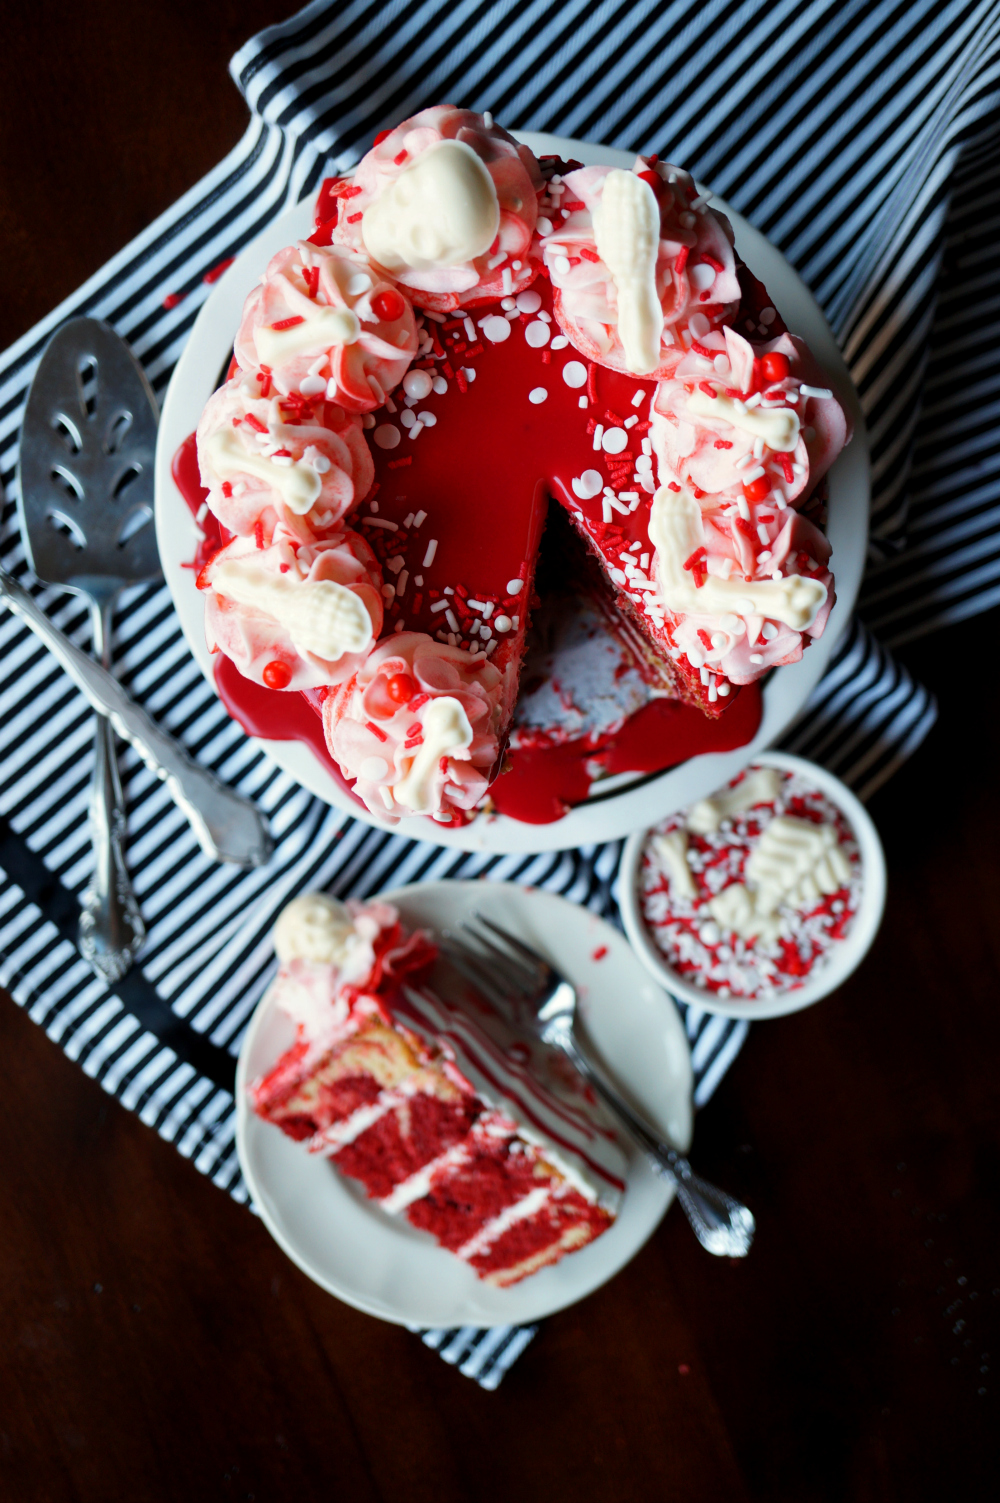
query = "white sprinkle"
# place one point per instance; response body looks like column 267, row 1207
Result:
column 644, row 464
column 507, row 281
column 644, row 559
column 515, row 622
column 388, row 593
column 769, row 631
column 311, row 386
column 452, row 620
column 743, row 507
column 588, row 485
column 618, row 506
column 395, row 564
column 574, row 373
column 530, row 301
column 723, row 687
column 418, row 384
column 559, row 342
column 502, row 623
column 753, row 401
column 432, row 548
column 702, row 276
column 488, row 608
column 507, row 303
column 615, row 440
column 628, row 496
column 762, row 533
column 719, row 640
column 496, row 260
column 639, row 398
column 476, row 605
column 699, row 325
column 755, row 657
column 418, row 580
column 647, row 446
column 387, row 435
column 537, row 394
column 439, row 385
column 713, row 692
column 687, row 220
column 485, row 632
column 400, row 624
column 381, row 522
column 453, row 639
column 815, row 391
column 439, row 318
column 487, row 119
column 420, row 519
column 467, row 370
column 427, row 418
column 390, row 405
column 537, row 334
column 496, row 329
column 598, row 435
column 515, row 586
column 439, row 605
column 767, row 315
column 695, row 658
column 606, row 511
column 373, row 768
column 401, row 584
column 704, row 675
column 470, row 330
column 754, row 474
column 561, row 263
column 448, row 590
column 407, row 418
column 582, row 403
column 417, row 428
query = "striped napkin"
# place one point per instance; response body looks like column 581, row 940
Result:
column 860, row 137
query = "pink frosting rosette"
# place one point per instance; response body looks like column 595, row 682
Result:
column 636, row 264
column 446, row 206
column 716, row 455
column 293, row 615
column 267, row 460
column 417, row 728
column 324, row 323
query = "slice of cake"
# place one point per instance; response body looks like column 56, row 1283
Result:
column 410, row 1098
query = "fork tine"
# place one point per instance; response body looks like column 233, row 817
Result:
column 471, row 966
column 511, row 966
column 532, row 957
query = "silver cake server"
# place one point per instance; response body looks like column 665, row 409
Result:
column 85, row 505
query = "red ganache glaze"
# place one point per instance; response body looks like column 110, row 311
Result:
column 544, row 782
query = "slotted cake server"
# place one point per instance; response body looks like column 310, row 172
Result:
column 85, row 502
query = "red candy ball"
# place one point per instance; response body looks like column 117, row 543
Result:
column 388, row 305
column 775, row 366
column 758, row 490
column 401, row 688
column 277, row 675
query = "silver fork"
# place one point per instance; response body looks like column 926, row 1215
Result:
column 510, row 974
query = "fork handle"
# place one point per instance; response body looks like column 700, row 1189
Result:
column 722, row 1225
column 226, row 826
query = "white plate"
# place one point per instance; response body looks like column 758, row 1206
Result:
column 636, row 804
column 384, row 1266
column 844, row 958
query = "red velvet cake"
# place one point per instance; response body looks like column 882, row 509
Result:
column 415, row 1101
column 469, row 333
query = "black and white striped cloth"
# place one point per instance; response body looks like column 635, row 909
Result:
column 860, row 137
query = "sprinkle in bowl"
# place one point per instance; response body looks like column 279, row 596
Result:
column 761, row 900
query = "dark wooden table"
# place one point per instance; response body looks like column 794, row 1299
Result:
column 156, row 1343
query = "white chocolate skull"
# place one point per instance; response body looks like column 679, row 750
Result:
column 441, row 211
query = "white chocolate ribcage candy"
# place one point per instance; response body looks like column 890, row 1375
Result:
column 735, row 911
column 321, row 617
column 670, row 853
column 297, row 484
column 441, row 211
column 676, row 531
column 446, row 729
column 796, row 862
column 777, row 426
column 758, row 787
column 627, row 236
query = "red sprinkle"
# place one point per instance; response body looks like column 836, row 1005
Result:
column 400, row 157
column 216, row 272
column 704, row 638
column 258, row 533
column 416, row 702
column 227, row 488
column 588, row 254
column 696, row 557
column 592, row 381
column 461, row 382
column 681, row 261
column 277, row 675
column 708, row 390
column 381, row 137
column 546, row 357
column 702, row 349
column 785, row 461
column 255, row 423
column 398, row 464
column 600, row 952
column 375, row 731
column 353, row 218
column 311, row 277
column 716, row 266
column 723, row 443
column 173, row 298
column 673, row 486
column 443, row 764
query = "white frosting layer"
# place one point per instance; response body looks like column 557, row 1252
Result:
column 419, row 202
column 294, row 615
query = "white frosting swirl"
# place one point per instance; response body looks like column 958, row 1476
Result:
column 424, row 206
column 294, row 615
column 417, row 728
column 319, row 323
column 265, row 461
column 624, row 290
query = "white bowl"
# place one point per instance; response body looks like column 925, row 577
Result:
column 843, row 959
column 619, row 805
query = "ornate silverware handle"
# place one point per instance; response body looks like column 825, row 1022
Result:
column 227, row 826
column 721, row 1224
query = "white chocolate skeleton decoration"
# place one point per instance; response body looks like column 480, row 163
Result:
column 441, row 211
column 795, row 863
column 670, row 852
column 324, row 619
column 446, row 730
column 627, row 236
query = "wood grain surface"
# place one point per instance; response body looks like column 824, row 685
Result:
column 156, row 1343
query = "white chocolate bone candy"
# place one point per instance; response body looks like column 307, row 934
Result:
column 777, row 426
column 760, row 786
column 319, row 329
column 321, row 617
column 670, row 854
column 297, row 484
column 441, row 211
column 796, row 862
column 446, row 729
column 627, row 236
